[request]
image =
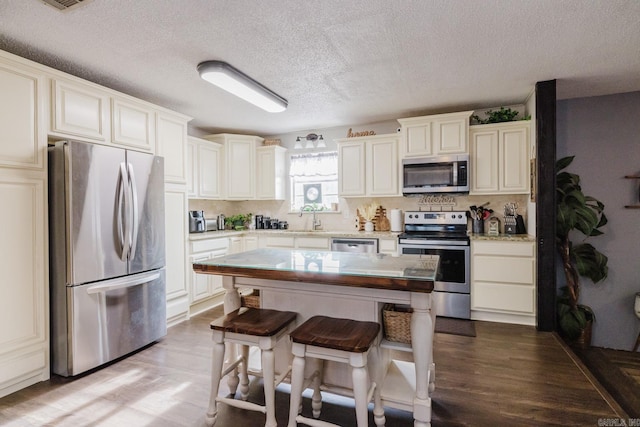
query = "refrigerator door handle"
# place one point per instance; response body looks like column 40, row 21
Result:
column 121, row 219
column 134, row 207
column 123, row 282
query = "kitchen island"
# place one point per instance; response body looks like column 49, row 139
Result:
column 346, row 285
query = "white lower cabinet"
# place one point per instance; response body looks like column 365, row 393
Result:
column 503, row 284
column 176, row 206
column 388, row 246
column 277, row 242
column 206, row 290
column 250, row 243
column 313, row 243
column 24, row 310
column 236, row 244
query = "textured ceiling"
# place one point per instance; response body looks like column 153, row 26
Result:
column 336, row 62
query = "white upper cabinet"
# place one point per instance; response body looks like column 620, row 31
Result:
column 500, row 158
column 270, row 179
column 368, row 166
column 22, row 103
column 351, row 168
column 205, row 164
column 239, row 164
column 133, row 124
column 433, row 135
column 80, row 110
column 172, row 145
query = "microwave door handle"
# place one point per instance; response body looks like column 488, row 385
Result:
column 455, row 173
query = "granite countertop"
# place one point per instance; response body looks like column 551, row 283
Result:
column 344, row 233
column 504, row 237
column 378, row 271
column 306, row 233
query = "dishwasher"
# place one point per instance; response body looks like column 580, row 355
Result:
column 339, row 244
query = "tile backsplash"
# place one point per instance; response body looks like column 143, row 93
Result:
column 345, row 218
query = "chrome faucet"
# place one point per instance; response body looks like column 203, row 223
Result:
column 315, row 224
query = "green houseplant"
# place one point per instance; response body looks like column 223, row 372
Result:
column 576, row 212
column 499, row 116
column 238, row 221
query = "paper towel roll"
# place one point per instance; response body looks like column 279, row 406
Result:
column 396, row 220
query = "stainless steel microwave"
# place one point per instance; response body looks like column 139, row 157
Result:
column 439, row 174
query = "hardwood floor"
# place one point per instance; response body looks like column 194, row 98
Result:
column 507, row 374
column 619, row 372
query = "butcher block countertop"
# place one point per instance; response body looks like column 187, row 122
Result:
column 378, row 271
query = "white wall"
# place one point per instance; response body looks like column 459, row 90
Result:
column 604, row 135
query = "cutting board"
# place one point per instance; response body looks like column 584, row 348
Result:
column 383, row 222
column 379, row 221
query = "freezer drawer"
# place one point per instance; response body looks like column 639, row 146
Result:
column 109, row 319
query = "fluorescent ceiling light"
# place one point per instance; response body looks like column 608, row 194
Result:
column 239, row 84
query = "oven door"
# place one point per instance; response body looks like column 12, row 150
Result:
column 453, row 273
column 452, row 289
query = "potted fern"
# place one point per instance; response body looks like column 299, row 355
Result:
column 576, row 212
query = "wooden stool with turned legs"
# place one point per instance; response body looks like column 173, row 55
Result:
column 248, row 327
column 339, row 340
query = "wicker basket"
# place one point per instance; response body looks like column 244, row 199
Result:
column 397, row 323
column 251, row 300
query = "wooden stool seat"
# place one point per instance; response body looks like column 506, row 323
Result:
column 253, row 321
column 340, row 334
column 338, row 340
column 247, row 327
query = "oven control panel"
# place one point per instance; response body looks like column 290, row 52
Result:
column 420, row 217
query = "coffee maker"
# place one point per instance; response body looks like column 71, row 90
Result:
column 196, row 222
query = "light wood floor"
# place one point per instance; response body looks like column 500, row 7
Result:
column 506, row 375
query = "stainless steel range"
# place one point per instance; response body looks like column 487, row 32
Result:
column 443, row 234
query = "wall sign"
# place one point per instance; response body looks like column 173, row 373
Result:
column 437, row 200
column 351, row 134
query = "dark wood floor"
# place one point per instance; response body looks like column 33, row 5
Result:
column 619, row 372
column 506, row 375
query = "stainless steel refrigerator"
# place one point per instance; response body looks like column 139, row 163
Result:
column 107, row 254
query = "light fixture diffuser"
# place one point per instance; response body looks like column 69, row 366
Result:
column 239, row 84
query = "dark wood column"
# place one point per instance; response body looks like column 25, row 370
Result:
column 545, row 203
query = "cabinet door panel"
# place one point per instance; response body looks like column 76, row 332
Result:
column 484, row 169
column 192, row 169
column 503, row 269
column 514, row 161
column 241, row 166
column 209, row 161
column 23, row 291
column 312, row 243
column 176, row 207
column 21, row 105
column 451, row 136
column 81, row 111
column 382, row 168
column 200, row 288
column 418, row 140
column 133, row 124
column 500, row 297
column 172, row 145
column 351, row 169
